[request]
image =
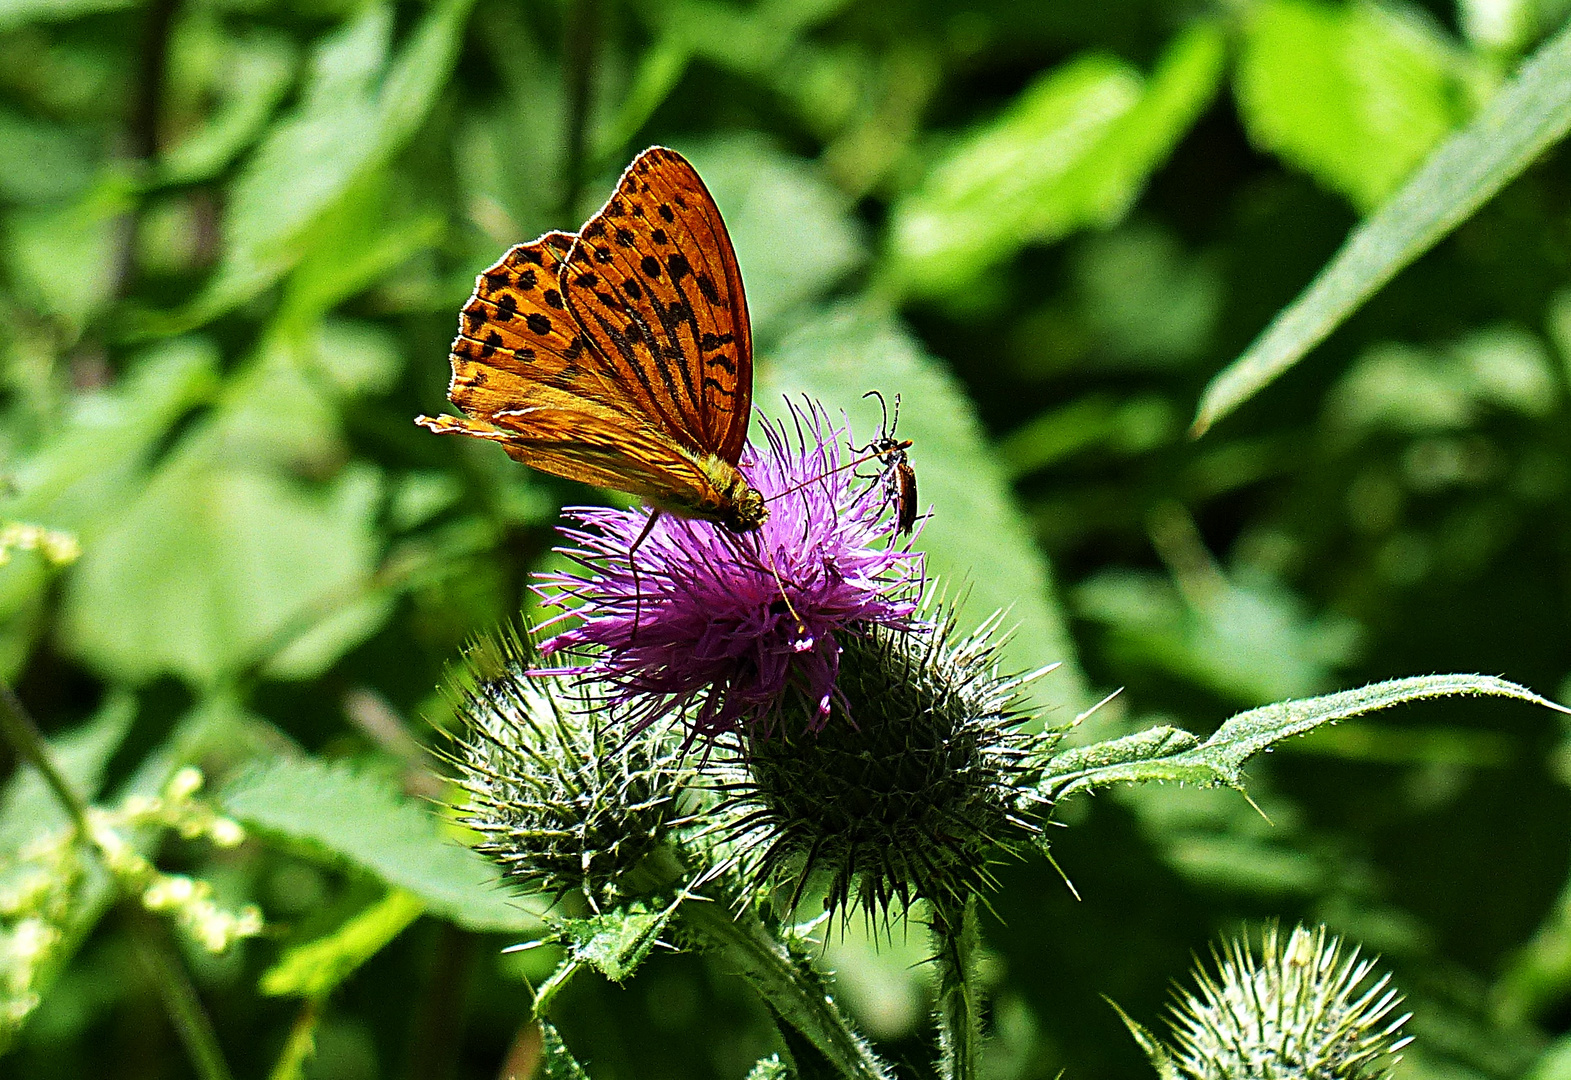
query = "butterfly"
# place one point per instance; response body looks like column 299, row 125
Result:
column 897, row 474
column 620, row 356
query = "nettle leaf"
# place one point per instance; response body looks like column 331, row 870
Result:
column 1355, row 95
column 1074, row 150
column 977, row 540
column 1527, row 116
column 315, row 969
column 366, row 821
column 1171, row 754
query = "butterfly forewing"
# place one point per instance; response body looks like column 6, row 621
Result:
column 515, row 334
column 653, row 282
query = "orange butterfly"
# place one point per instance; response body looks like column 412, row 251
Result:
column 622, row 356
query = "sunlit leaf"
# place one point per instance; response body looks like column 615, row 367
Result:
column 367, row 822
column 15, row 13
column 1074, row 150
column 1354, row 94
column 1526, row 117
column 259, row 74
column 977, row 542
column 314, row 969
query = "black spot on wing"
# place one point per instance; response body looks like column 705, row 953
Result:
column 651, row 267
column 539, row 323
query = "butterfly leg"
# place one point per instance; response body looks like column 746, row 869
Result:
column 632, row 564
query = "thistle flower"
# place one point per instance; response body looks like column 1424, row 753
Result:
column 917, row 797
column 727, row 626
column 565, row 800
column 1303, row 1011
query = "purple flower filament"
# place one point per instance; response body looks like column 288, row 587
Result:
column 730, row 625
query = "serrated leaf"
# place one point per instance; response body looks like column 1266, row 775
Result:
column 366, row 821
column 1169, row 754
column 315, row 969
column 977, row 539
column 1526, row 117
column 1074, row 150
column 617, row 942
column 556, row 1062
column 1354, row 94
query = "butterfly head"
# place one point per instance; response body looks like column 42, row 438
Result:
column 746, row 511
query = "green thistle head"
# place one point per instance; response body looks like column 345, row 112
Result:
column 914, row 794
column 1304, row 1010
column 565, row 800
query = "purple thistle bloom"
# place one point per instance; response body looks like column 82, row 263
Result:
column 727, row 623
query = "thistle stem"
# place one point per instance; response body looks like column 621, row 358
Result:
column 956, row 940
column 795, row 995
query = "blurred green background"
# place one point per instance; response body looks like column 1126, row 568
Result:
column 234, row 238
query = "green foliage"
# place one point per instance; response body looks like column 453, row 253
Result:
column 1355, row 95
column 357, row 817
column 1523, row 119
column 233, row 241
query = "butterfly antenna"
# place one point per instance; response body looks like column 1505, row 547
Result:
column 632, row 564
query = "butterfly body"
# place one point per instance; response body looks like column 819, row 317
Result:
column 620, row 356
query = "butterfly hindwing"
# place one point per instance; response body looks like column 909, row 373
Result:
column 654, row 285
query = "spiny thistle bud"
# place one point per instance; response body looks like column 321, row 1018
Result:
column 913, row 794
column 1305, row 1010
column 565, row 798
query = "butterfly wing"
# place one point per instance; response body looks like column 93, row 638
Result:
column 527, row 379
column 570, row 436
column 653, row 284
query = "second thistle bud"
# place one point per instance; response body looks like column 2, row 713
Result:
column 913, row 793
column 566, row 800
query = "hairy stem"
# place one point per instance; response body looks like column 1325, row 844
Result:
column 23, row 735
column 956, row 940
column 793, row 994
column 190, row 1020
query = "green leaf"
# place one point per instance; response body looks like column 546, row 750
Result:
column 614, row 943
column 1169, row 754
column 42, row 162
column 358, row 109
column 15, row 13
column 62, row 257
column 1355, row 94
column 977, row 541
column 214, row 569
column 556, row 1062
column 315, row 969
column 28, row 808
column 1074, row 150
column 1525, row 118
column 367, row 822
